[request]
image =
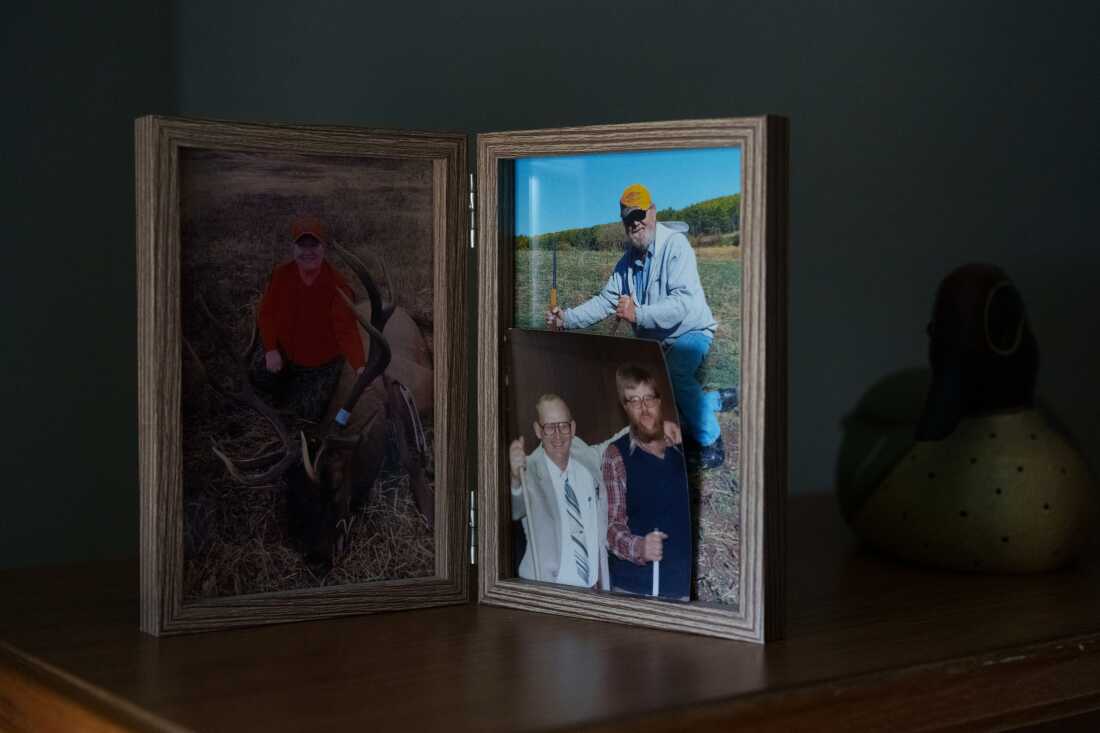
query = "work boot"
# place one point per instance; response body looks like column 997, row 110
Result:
column 728, row 399
column 707, row 456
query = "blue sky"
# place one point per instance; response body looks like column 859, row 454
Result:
column 566, row 192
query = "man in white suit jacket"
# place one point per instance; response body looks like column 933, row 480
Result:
column 566, row 528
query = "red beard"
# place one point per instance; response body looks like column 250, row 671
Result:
column 647, row 435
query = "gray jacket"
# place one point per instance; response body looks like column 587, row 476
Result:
column 673, row 302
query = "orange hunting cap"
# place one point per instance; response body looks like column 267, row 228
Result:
column 310, row 225
column 636, row 196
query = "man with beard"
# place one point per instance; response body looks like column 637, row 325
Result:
column 647, row 493
column 655, row 287
column 307, row 329
column 558, row 497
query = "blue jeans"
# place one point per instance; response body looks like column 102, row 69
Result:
column 697, row 408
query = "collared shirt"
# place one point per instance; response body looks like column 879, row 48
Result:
column 642, row 263
column 584, row 487
column 620, row 540
column 312, row 324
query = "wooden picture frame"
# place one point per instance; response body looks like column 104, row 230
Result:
column 763, row 144
column 161, row 145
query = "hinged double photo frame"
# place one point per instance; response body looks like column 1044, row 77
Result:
column 305, row 400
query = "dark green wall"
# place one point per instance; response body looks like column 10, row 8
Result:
column 924, row 135
column 74, row 77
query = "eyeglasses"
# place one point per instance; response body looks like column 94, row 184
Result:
column 635, row 401
column 556, row 428
column 637, row 216
column 305, row 242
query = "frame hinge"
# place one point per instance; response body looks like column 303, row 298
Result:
column 473, row 214
column 473, row 530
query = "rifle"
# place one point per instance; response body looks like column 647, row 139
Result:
column 554, row 280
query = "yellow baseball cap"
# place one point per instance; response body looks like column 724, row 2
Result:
column 636, row 196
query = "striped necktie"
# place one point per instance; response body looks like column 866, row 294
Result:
column 576, row 531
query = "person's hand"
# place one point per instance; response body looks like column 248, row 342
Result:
column 654, row 547
column 672, row 433
column 555, row 319
column 517, row 459
column 625, row 309
column 360, row 370
column 273, row 360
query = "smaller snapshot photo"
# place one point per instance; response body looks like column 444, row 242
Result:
column 598, row 482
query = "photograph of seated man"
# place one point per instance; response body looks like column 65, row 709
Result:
column 281, row 286
column 558, row 497
column 649, row 532
column 307, row 330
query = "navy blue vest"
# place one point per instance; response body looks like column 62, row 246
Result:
column 656, row 498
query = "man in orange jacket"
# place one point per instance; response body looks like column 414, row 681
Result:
column 306, row 328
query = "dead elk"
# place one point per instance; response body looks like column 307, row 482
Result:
column 406, row 385
column 329, row 477
column 411, row 363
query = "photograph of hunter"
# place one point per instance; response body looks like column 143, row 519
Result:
column 308, row 371
column 655, row 287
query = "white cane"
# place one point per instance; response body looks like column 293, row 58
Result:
column 532, row 545
column 656, row 574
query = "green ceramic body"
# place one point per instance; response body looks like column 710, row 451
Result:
column 1004, row 493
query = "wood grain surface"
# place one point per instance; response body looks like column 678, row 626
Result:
column 763, row 467
column 158, row 141
column 872, row 645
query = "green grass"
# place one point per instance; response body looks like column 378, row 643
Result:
column 582, row 273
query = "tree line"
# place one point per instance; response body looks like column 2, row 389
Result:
column 712, row 222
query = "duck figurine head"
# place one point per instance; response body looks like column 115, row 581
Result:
column 978, row 479
column 981, row 349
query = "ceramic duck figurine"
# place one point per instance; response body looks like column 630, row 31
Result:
column 979, row 480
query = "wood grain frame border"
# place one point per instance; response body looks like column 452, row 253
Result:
column 764, row 151
column 158, row 141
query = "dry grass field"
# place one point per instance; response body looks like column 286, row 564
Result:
column 236, row 211
column 716, row 494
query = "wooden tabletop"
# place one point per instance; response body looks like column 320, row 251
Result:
column 871, row 643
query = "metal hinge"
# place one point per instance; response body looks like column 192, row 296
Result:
column 473, row 530
column 473, row 214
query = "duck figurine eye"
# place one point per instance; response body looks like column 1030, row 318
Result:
column 954, row 466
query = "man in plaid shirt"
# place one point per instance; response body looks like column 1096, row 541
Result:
column 647, row 494
column 566, row 535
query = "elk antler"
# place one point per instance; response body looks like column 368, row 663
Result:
column 380, row 311
column 251, row 310
column 386, row 277
column 377, row 360
column 247, row 397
